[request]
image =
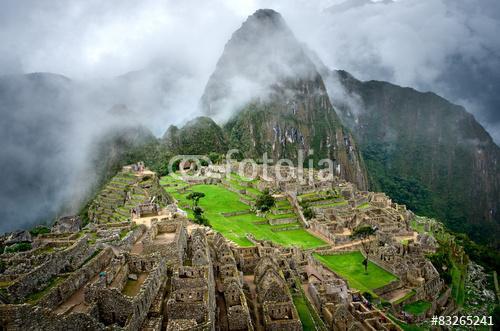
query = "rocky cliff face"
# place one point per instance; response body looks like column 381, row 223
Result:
column 272, row 99
column 425, row 152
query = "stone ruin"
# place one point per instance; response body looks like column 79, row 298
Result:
column 273, row 295
column 192, row 297
column 169, row 274
column 67, row 224
column 341, row 307
column 145, row 209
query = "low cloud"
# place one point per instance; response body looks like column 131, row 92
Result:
column 157, row 57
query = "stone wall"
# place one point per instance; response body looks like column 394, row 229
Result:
column 76, row 280
column 394, row 285
column 14, row 318
column 68, row 259
column 130, row 239
column 279, row 221
column 292, row 198
column 128, row 312
column 236, row 213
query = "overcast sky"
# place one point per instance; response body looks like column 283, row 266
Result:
column 447, row 46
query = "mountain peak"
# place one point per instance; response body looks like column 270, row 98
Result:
column 269, row 16
column 260, row 55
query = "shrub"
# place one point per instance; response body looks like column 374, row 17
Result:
column 309, row 213
column 39, row 230
column 19, row 247
column 265, row 201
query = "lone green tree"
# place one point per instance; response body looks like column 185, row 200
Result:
column 198, row 216
column 195, row 196
column 364, row 233
column 265, row 201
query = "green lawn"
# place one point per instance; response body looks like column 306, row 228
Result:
column 417, row 308
column 364, row 205
column 280, row 216
column 235, row 175
column 333, row 204
column 219, row 200
column 305, row 315
column 350, row 267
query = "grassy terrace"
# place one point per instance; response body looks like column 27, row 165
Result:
column 305, row 315
column 283, row 204
column 350, row 267
column 219, row 200
column 364, row 205
column 333, row 204
column 36, row 296
column 280, row 216
column 417, row 308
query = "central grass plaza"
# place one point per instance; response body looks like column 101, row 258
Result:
column 219, row 200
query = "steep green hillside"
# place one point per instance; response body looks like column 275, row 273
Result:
column 427, row 153
column 199, row 136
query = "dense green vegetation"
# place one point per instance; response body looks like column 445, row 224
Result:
column 426, row 202
column 39, row 230
column 19, row 247
column 417, row 308
column 404, row 190
column 265, row 201
column 429, row 154
column 350, row 267
column 199, row 136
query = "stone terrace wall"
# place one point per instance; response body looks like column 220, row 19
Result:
column 394, row 285
column 132, row 237
column 128, row 312
column 78, row 279
column 14, row 318
column 292, row 198
column 69, row 258
column 280, row 221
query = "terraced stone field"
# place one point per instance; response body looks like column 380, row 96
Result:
column 219, row 200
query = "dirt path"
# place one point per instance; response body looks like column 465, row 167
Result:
column 249, row 279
